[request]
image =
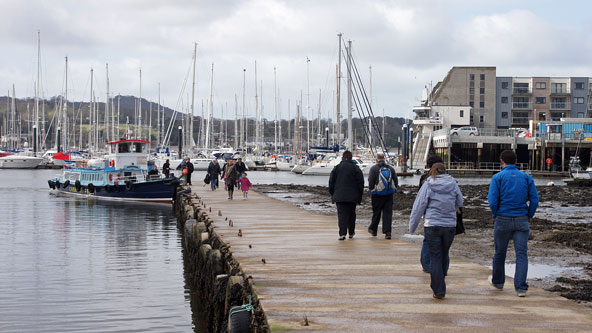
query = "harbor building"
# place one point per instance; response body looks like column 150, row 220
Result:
column 472, row 115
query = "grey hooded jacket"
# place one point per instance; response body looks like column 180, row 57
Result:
column 437, row 200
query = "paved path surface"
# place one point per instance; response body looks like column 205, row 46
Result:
column 368, row 283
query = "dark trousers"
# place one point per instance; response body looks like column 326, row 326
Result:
column 346, row 215
column 189, row 178
column 382, row 205
column 439, row 240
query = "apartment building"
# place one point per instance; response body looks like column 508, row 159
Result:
column 504, row 102
column 470, row 86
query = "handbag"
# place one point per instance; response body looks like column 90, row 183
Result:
column 460, row 226
column 207, row 179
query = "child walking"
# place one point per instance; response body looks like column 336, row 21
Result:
column 245, row 184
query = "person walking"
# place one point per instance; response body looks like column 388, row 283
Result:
column 244, row 184
column 166, row 168
column 346, row 186
column 425, row 253
column 240, row 169
column 382, row 183
column 230, row 178
column 189, row 170
column 182, row 166
column 437, row 200
column 214, row 171
column 513, row 200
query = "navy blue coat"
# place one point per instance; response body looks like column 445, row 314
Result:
column 346, row 183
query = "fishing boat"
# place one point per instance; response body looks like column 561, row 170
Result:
column 124, row 175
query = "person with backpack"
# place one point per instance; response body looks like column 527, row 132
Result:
column 382, row 183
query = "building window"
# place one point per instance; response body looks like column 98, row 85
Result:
column 579, row 85
column 558, row 88
column 504, row 85
column 542, row 116
column 471, row 91
column 541, row 100
column 472, row 104
column 505, row 100
column 472, row 77
column 578, row 100
column 471, row 119
column 481, row 104
column 580, row 114
column 504, row 115
column 462, row 113
column 521, row 88
column 541, row 85
column 482, row 77
column 482, row 90
column 480, row 119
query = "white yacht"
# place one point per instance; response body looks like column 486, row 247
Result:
column 19, row 162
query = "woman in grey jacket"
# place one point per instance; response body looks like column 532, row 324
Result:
column 437, row 200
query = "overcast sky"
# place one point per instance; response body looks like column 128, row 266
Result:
column 408, row 44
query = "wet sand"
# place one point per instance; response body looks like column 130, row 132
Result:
column 560, row 246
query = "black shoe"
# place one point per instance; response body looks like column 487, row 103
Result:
column 342, row 237
column 387, row 236
column 438, row 296
column 372, row 232
column 351, row 236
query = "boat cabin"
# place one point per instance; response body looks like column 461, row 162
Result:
column 130, row 153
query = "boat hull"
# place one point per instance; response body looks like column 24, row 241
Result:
column 19, row 162
column 156, row 191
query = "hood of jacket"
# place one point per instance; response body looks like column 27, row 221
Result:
column 442, row 184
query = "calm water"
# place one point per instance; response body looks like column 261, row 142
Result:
column 72, row 265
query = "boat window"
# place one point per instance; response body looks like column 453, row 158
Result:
column 138, row 147
column 123, row 147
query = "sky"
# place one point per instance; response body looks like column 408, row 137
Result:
column 407, row 45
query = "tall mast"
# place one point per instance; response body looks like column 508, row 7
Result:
column 210, row 111
column 275, row 128
column 106, row 131
column 190, row 141
column 37, row 89
column 139, row 134
column 235, row 121
column 350, row 133
column 370, row 120
column 118, row 108
column 256, row 111
column 91, row 114
column 244, row 130
column 307, row 106
column 150, row 126
column 339, row 92
column 319, row 134
column 65, row 104
column 158, row 119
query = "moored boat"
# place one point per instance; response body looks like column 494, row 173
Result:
column 124, row 175
column 19, row 162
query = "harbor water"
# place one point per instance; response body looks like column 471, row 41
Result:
column 76, row 265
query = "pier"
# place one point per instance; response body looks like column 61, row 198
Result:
column 305, row 279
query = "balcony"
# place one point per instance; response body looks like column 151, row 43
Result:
column 521, row 106
column 559, row 91
column 519, row 121
column 560, row 106
column 589, row 106
column 522, row 91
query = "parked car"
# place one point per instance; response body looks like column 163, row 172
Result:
column 465, row 130
column 519, row 132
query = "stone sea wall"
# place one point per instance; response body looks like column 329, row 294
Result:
column 212, row 270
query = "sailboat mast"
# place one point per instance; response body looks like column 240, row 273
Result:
column 140, row 109
column 106, row 128
column 256, row 111
column 190, row 141
column 307, row 105
column 370, row 104
column 235, row 121
column 275, row 128
column 37, row 89
column 158, row 119
column 349, row 99
column 339, row 92
column 91, row 114
column 244, row 130
column 65, row 104
column 210, row 111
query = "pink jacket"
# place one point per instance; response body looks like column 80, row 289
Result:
column 245, row 184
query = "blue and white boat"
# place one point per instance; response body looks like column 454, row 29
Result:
column 125, row 174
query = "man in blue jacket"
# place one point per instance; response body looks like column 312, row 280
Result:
column 513, row 200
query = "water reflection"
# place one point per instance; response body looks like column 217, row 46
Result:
column 69, row 264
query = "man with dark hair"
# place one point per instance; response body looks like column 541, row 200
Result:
column 240, row 168
column 346, row 186
column 513, row 200
column 382, row 183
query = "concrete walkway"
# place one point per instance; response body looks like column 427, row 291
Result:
column 300, row 270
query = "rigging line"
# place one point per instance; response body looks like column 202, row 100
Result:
column 175, row 112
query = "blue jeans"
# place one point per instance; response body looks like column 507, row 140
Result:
column 426, row 261
column 214, row 183
column 506, row 228
column 439, row 240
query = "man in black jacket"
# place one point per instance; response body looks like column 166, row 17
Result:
column 346, row 186
column 214, row 171
column 382, row 187
column 240, row 167
column 189, row 170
